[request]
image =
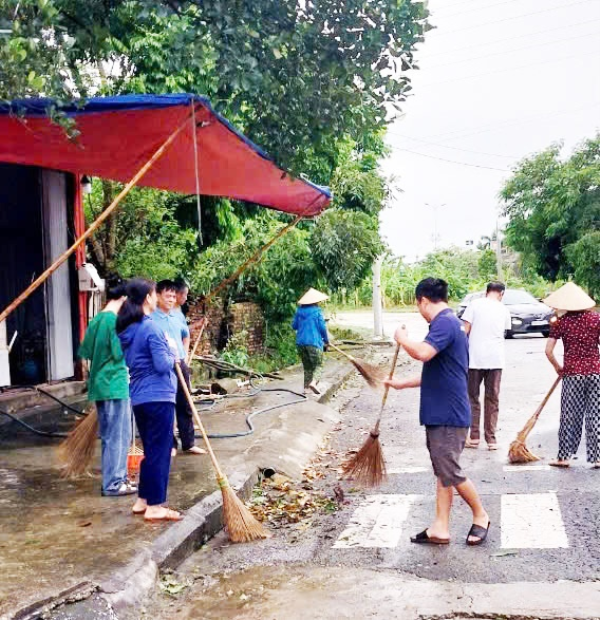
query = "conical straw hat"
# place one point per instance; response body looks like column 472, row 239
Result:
column 571, row 298
column 312, row 296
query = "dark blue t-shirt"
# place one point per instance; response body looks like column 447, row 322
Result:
column 444, row 396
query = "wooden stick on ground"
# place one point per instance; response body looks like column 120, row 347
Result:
column 367, row 466
column 241, row 525
column 518, row 451
column 94, row 226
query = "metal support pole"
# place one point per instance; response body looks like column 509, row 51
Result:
column 377, row 307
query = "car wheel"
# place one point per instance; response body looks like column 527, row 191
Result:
column 508, row 334
column 546, row 334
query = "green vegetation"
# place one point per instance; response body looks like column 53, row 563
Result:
column 553, row 206
column 465, row 271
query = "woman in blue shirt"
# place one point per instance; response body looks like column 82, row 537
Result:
column 311, row 337
column 153, row 386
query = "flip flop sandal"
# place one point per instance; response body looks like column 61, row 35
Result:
column 557, row 464
column 492, row 446
column 423, row 538
column 170, row 515
column 138, row 512
column 473, row 445
column 479, row 531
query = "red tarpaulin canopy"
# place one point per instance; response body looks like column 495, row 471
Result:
column 119, row 134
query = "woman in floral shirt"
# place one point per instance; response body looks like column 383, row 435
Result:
column 579, row 329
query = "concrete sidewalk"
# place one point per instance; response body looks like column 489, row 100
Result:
column 60, row 540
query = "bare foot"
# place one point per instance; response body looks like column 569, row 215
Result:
column 140, row 506
column 162, row 513
column 195, row 450
column 484, row 522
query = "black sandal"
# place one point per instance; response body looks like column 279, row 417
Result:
column 479, row 531
column 423, row 538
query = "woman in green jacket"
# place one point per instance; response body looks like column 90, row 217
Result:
column 108, row 388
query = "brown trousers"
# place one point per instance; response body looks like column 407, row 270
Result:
column 491, row 381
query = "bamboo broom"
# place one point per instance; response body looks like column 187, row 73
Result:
column 367, row 466
column 241, row 525
column 77, row 450
column 371, row 374
column 518, row 451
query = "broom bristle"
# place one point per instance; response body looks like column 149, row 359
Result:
column 367, row 466
column 239, row 521
column 372, row 375
column 520, row 453
column 75, row 453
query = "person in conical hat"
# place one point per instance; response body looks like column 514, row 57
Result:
column 311, row 337
column 579, row 329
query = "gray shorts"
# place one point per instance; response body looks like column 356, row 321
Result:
column 445, row 445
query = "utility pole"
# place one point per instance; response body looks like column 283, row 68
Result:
column 377, row 307
column 498, row 252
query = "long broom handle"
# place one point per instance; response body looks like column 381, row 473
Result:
column 94, row 226
column 536, row 415
column 197, row 419
column 352, row 359
column 191, row 354
column 236, row 274
column 391, row 376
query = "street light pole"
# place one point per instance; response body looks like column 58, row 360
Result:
column 435, row 208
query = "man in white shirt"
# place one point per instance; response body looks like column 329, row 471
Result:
column 486, row 320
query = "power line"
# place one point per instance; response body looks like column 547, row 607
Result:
column 520, row 36
column 505, row 70
column 453, row 148
column 507, row 19
column 462, row 133
column 480, row 8
column 454, row 4
column 449, row 161
column 518, row 49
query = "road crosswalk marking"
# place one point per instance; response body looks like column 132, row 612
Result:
column 532, row 521
column 540, row 467
column 527, row 521
column 413, row 469
column 377, row 522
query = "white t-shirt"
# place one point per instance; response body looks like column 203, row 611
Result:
column 489, row 318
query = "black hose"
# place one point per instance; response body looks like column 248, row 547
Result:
column 248, row 420
column 251, row 416
column 52, row 397
column 30, row 428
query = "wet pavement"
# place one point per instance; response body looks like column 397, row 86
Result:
column 542, row 558
column 56, row 533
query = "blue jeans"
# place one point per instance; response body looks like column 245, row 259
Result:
column 114, row 421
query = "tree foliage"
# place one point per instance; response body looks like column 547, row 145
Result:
column 314, row 83
column 553, row 206
column 295, row 76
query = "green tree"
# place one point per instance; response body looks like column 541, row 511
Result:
column 553, row 206
column 487, row 264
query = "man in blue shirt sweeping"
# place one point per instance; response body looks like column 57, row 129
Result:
column 444, row 408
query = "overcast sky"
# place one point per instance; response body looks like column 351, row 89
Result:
column 498, row 80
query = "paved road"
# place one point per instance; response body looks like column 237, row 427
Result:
column 545, row 525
